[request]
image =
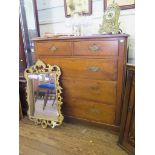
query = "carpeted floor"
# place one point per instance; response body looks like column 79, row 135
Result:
column 68, row 139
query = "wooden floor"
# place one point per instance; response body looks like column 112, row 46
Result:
column 68, row 139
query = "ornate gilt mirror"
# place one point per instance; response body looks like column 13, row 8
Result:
column 44, row 94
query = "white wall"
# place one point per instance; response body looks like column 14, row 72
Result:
column 52, row 19
column 29, row 14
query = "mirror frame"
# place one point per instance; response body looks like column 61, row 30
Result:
column 43, row 68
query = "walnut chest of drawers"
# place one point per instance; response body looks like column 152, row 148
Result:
column 92, row 74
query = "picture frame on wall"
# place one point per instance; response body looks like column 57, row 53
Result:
column 82, row 7
column 123, row 4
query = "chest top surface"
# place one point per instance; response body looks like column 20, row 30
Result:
column 116, row 36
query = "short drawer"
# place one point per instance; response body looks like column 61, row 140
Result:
column 94, row 90
column 101, row 69
column 53, row 48
column 96, row 48
column 89, row 110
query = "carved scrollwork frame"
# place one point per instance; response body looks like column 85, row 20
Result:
column 42, row 68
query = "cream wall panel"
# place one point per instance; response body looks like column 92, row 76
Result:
column 96, row 24
column 127, row 24
column 97, row 9
column 61, row 28
column 46, row 4
column 29, row 14
column 55, row 28
column 51, row 15
column 45, row 28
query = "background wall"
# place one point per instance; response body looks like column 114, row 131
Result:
column 52, row 19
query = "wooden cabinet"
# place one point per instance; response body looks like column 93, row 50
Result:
column 127, row 130
column 93, row 71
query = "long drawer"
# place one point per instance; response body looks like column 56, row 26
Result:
column 98, row 48
column 54, row 48
column 100, row 69
column 94, row 90
column 86, row 109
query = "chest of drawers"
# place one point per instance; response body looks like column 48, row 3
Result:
column 92, row 74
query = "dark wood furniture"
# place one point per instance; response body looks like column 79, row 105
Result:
column 22, row 95
column 127, row 129
column 20, row 110
column 93, row 70
column 22, row 57
column 22, row 81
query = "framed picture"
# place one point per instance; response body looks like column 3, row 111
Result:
column 123, row 4
column 83, row 7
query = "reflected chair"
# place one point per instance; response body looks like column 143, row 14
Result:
column 47, row 89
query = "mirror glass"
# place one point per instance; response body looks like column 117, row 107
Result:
column 43, row 96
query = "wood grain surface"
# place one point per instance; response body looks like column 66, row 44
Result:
column 68, row 139
column 54, row 48
column 90, row 110
column 96, row 48
column 106, row 69
column 95, row 90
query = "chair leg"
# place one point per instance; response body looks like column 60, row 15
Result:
column 45, row 100
column 37, row 94
column 54, row 101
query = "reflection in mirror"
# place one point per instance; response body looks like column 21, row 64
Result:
column 43, row 94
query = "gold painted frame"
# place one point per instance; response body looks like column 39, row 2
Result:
column 42, row 68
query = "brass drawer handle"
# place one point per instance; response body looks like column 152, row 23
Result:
column 94, row 69
column 94, row 48
column 94, row 111
column 53, row 48
column 94, row 88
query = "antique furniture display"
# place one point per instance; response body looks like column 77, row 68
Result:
column 44, row 94
column 127, row 130
column 123, row 4
column 110, row 23
column 82, row 7
column 92, row 75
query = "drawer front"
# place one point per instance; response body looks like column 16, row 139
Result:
column 101, row 69
column 86, row 109
column 53, row 48
column 94, row 90
column 96, row 48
